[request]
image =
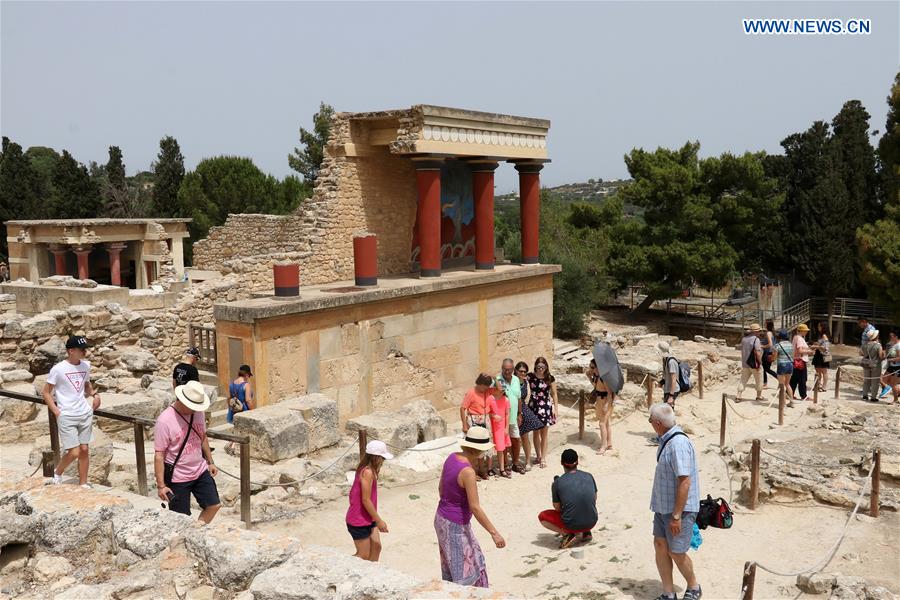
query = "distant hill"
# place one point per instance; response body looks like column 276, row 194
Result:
column 592, row 192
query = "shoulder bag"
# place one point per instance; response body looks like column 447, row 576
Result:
column 169, row 469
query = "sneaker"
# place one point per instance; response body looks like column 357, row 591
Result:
column 55, row 480
column 865, row 398
column 86, row 486
column 672, row 596
column 567, row 541
column 690, row 594
column 587, row 537
column 884, row 392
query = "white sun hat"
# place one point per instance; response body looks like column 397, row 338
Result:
column 378, row 448
column 193, row 396
column 478, row 438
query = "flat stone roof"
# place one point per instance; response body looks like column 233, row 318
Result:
column 87, row 222
column 318, row 297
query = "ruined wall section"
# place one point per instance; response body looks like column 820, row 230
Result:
column 374, row 191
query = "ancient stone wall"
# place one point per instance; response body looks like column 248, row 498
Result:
column 375, row 192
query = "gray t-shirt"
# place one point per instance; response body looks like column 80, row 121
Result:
column 575, row 492
column 749, row 343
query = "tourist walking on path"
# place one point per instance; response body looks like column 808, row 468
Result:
column 784, row 359
column 751, row 361
column 670, row 374
column 892, row 373
column 240, row 398
column 510, row 386
column 186, row 370
column 574, row 495
column 675, row 501
column 767, row 343
column 363, row 521
column 183, row 463
column 530, row 421
column 462, row 561
column 500, row 430
column 801, row 358
column 603, row 405
column 479, row 408
column 872, row 355
column 822, row 357
column 543, row 401
column 71, row 398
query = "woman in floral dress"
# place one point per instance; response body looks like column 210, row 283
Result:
column 542, row 400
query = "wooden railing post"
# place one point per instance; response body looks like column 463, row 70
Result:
column 650, row 391
column 363, row 440
column 816, row 390
column 754, row 475
column 140, row 458
column 781, row 394
column 700, row 378
column 581, row 410
column 54, row 435
column 747, row 583
column 47, row 463
column 245, row 483
column 837, row 383
column 723, row 417
column 876, row 484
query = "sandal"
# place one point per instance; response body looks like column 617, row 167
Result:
column 543, row 464
column 506, row 474
column 491, row 473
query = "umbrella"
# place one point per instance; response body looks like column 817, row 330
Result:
column 608, row 366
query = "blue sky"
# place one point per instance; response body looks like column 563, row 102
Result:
column 240, row 78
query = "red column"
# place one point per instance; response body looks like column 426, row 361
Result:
column 530, row 209
column 59, row 258
column 82, row 254
column 115, row 266
column 365, row 259
column 428, row 180
column 286, row 278
column 483, row 194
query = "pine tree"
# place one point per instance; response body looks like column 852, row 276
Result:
column 851, row 134
column 169, row 171
column 115, row 168
column 18, row 188
column 308, row 160
column 76, row 195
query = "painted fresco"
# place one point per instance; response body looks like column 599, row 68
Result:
column 457, row 213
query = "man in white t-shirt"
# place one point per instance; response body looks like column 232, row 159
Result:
column 72, row 399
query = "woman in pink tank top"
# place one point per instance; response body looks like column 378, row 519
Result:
column 363, row 521
column 462, row 560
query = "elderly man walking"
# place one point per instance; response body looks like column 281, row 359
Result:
column 675, row 502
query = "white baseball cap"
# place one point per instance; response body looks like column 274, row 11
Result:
column 378, row 448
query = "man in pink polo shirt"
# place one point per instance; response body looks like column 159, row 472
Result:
column 183, row 463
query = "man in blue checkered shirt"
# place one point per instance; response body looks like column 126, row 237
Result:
column 675, row 502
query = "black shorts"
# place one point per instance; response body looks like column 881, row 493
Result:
column 361, row 533
column 203, row 488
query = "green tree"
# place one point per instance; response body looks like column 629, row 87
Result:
column 308, row 160
column 224, row 185
column 75, row 194
column 879, row 242
column 43, row 161
column 115, row 168
column 857, row 162
column 18, row 188
column 679, row 242
column 818, row 212
column 169, row 173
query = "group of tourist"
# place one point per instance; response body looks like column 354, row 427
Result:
column 517, row 407
column 792, row 355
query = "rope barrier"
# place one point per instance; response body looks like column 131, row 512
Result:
column 399, row 449
column 825, row 560
column 814, row 465
column 761, row 413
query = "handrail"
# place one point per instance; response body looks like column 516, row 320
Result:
column 138, row 424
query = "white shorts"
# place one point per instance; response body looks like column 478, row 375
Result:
column 514, row 431
column 75, row 430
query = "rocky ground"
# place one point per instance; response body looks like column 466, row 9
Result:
column 68, row 543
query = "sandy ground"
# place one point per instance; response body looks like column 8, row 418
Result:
column 619, row 562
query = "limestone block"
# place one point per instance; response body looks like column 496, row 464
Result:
column 17, row 411
column 430, row 423
column 16, row 375
column 139, row 361
column 398, row 429
column 39, row 326
column 817, row 583
column 321, row 415
column 276, row 432
column 132, row 405
column 232, row 556
column 47, row 354
column 147, row 533
column 88, row 592
column 49, row 568
column 17, row 529
column 569, row 386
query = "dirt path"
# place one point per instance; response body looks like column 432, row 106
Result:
column 619, row 562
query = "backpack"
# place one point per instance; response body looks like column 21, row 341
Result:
column 714, row 513
column 684, row 374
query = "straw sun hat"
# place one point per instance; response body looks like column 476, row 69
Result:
column 477, row 438
column 193, row 396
